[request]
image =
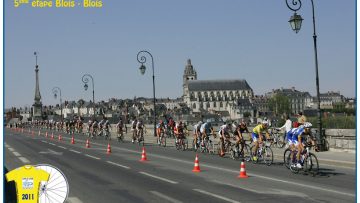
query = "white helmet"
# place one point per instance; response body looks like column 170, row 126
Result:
column 265, row 122
column 307, row 125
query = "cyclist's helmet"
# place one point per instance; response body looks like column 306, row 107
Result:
column 307, row 125
column 264, row 122
column 161, row 121
column 200, row 123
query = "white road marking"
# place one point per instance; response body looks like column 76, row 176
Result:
column 160, row 178
column 170, row 199
column 75, row 151
column 116, row 164
column 237, row 172
column 62, row 147
column 11, row 149
column 92, row 156
column 44, row 141
column 217, row 196
column 73, row 200
column 16, row 153
column 24, row 160
column 52, row 144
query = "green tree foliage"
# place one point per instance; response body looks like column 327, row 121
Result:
column 279, row 104
column 247, row 114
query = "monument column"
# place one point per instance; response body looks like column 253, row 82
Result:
column 37, row 106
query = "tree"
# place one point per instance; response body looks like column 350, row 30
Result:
column 279, row 104
column 247, row 114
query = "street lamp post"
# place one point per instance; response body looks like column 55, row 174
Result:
column 295, row 22
column 56, row 91
column 85, row 79
column 142, row 59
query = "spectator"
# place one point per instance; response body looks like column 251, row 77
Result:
column 301, row 119
column 287, row 126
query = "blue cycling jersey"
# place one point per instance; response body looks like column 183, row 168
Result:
column 296, row 132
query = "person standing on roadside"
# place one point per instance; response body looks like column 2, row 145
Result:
column 301, row 119
column 287, row 126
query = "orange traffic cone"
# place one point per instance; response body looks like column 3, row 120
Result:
column 46, row 134
column 39, row 133
column 72, row 140
column 60, row 138
column 196, row 165
column 52, row 136
column 108, row 151
column 242, row 170
column 32, row 133
column 87, row 143
column 143, row 155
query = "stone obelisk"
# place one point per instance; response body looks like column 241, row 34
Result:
column 37, row 106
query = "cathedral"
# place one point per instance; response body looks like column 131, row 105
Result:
column 213, row 95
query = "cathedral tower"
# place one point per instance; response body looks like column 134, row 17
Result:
column 189, row 74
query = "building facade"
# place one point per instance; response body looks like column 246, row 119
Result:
column 212, row 95
column 299, row 101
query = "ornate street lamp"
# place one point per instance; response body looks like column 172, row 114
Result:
column 85, row 79
column 142, row 59
column 295, row 22
column 56, row 91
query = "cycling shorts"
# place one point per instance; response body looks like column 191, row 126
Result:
column 296, row 141
column 254, row 136
column 289, row 138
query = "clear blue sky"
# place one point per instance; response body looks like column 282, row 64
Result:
column 227, row 39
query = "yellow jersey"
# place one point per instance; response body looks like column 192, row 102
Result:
column 27, row 180
column 259, row 129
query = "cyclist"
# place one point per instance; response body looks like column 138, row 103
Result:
column 179, row 131
column 106, row 129
column 197, row 133
column 298, row 138
column 257, row 137
column 224, row 134
column 94, row 128
column 238, row 133
column 139, row 130
column 119, row 129
column 206, row 129
column 133, row 128
column 160, row 129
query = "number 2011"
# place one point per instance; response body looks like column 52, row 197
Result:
column 27, row 196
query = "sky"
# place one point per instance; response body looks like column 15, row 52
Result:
column 227, row 39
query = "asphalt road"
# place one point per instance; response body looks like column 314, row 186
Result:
column 95, row 176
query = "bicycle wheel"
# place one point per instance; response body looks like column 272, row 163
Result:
column 163, row 141
column 287, row 158
column 209, row 146
column 268, row 156
column 246, row 154
column 56, row 189
column 293, row 168
column 251, row 155
column 311, row 164
column 194, row 145
column 280, row 141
